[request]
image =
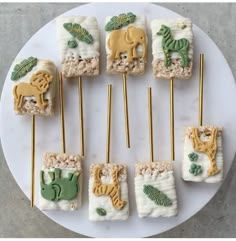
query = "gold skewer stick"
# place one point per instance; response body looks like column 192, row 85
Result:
column 150, row 124
column 33, row 162
column 81, row 112
column 201, row 74
column 109, row 123
column 126, row 110
column 172, row 121
column 61, row 98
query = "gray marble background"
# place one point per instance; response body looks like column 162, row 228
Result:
column 18, row 22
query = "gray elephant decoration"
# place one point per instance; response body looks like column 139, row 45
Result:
column 126, row 41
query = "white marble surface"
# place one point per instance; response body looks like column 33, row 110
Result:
column 225, row 211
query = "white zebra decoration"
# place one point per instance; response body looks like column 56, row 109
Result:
column 169, row 44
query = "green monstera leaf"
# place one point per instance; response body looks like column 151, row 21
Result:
column 24, row 67
column 79, row 32
column 159, row 197
column 120, row 21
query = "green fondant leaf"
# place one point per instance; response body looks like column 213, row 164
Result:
column 159, row 197
column 79, row 32
column 120, row 21
column 101, row 211
column 23, row 68
column 72, row 44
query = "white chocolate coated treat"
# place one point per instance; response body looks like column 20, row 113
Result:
column 68, row 164
column 34, row 93
column 202, row 159
column 83, row 59
column 180, row 28
column 128, row 38
column 159, row 176
column 115, row 206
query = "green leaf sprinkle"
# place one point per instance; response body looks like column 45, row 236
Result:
column 159, row 197
column 101, row 211
column 120, row 21
column 72, row 44
column 79, row 32
column 23, row 68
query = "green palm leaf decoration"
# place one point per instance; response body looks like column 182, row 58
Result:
column 120, row 21
column 79, row 32
column 159, row 197
column 23, row 68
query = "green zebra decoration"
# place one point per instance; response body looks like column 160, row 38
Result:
column 181, row 46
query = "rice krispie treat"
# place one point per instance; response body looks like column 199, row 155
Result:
column 108, row 192
column 126, row 44
column 34, row 86
column 78, row 39
column 172, row 48
column 203, row 154
column 155, row 189
column 61, row 182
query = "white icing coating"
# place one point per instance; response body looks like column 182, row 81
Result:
column 105, row 202
column 203, row 161
column 140, row 22
column 164, row 182
column 177, row 33
column 66, row 205
column 84, row 50
column 45, row 65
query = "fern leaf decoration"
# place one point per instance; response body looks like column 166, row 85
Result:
column 159, row 197
column 79, row 32
column 120, row 21
column 23, row 68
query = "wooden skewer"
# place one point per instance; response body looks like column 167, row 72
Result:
column 150, row 124
column 81, row 112
column 33, row 162
column 201, row 74
column 126, row 110
column 109, row 123
column 61, row 97
column 172, row 122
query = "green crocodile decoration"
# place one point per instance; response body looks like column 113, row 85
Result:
column 159, row 197
column 60, row 188
column 169, row 44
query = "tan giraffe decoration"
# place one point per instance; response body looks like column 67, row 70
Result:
column 208, row 147
column 112, row 190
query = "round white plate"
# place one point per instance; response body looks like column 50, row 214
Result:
column 219, row 92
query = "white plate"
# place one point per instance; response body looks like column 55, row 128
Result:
column 219, row 94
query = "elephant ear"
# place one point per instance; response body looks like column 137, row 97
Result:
column 128, row 38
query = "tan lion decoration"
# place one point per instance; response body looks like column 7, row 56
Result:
column 126, row 41
column 38, row 86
